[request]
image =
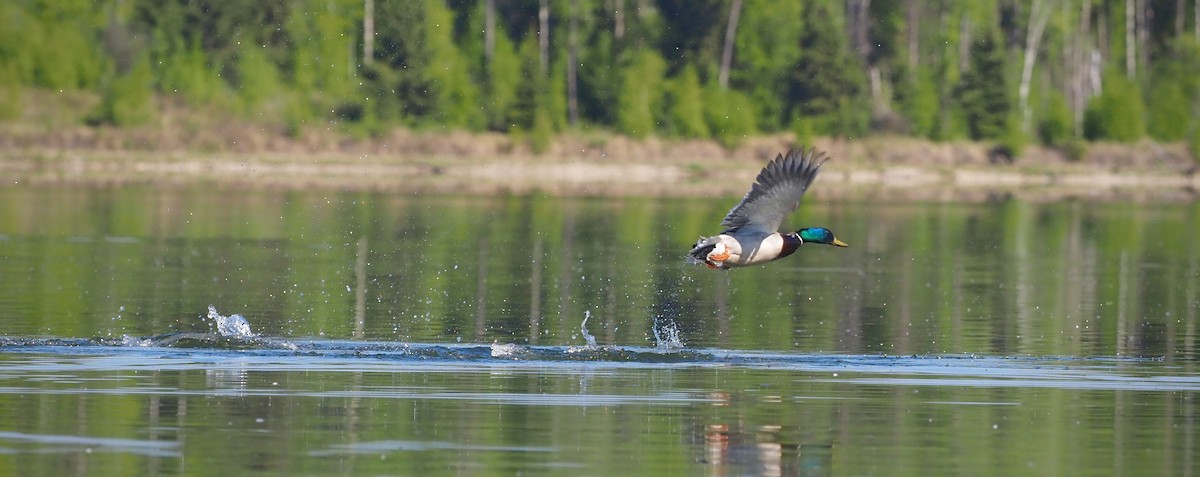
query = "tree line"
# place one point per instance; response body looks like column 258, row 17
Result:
column 1055, row 72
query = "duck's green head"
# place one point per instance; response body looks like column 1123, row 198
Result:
column 819, row 235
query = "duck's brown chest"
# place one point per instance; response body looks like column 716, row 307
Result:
column 790, row 243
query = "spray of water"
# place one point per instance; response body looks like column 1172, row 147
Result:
column 666, row 336
column 587, row 337
column 509, row 350
column 232, row 326
column 590, row 340
column 136, row 342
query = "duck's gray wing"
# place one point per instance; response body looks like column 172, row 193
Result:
column 776, row 192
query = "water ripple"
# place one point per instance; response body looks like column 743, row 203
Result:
column 215, row 352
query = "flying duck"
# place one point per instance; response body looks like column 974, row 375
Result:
column 751, row 235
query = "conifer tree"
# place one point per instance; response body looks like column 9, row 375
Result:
column 686, row 105
column 982, row 92
column 641, row 94
column 827, row 83
column 1175, row 92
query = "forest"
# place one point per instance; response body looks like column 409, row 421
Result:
column 1059, row 73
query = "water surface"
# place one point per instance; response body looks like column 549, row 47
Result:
column 407, row 335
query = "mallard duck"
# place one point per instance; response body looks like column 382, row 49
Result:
column 751, row 235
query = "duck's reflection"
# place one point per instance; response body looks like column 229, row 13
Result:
column 735, row 447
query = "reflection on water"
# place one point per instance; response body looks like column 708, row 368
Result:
column 349, row 406
column 402, row 335
column 1071, row 279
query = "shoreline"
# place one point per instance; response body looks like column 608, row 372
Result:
column 580, row 163
column 570, row 177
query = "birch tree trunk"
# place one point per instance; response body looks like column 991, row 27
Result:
column 1179, row 12
column 1080, row 89
column 1039, row 14
column 544, row 34
column 368, row 31
column 913, row 13
column 489, row 30
column 859, row 26
column 1130, row 39
column 964, row 42
column 1143, row 36
column 735, row 12
column 618, row 19
column 572, row 64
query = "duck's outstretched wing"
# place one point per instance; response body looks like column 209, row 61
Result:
column 776, row 192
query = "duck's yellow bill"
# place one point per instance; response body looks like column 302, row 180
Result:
column 839, row 243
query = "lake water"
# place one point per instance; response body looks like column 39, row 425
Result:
column 392, row 334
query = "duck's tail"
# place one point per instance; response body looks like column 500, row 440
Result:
column 699, row 253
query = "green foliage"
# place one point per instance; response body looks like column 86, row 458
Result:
column 188, row 74
column 530, row 90
column 535, row 114
column 1012, row 139
column 67, row 54
column 1116, row 114
column 455, row 97
column 542, row 133
column 1174, row 93
column 641, row 94
column 1075, row 149
column 983, row 92
column 802, row 133
column 536, row 110
column 17, row 56
column 383, row 107
column 827, row 84
column 692, row 32
column 916, row 94
column 730, row 114
column 951, row 123
column 322, row 35
column 1193, row 145
column 12, row 60
column 1169, row 111
column 10, row 100
column 598, row 79
column 127, row 98
column 333, row 43
column 258, row 77
column 396, row 80
column 1056, row 126
column 297, row 113
column 555, row 98
column 503, row 81
column 767, row 50
column 685, row 105
column 795, row 66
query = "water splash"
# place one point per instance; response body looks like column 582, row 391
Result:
column 587, row 337
column 590, row 345
column 135, row 341
column 509, row 351
column 232, row 326
column 666, row 336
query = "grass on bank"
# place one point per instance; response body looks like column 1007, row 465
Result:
column 55, row 122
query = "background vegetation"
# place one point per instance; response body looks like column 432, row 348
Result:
column 1057, row 72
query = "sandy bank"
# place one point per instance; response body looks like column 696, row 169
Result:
column 876, row 168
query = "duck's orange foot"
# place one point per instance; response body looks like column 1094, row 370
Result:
column 718, row 254
column 712, row 265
